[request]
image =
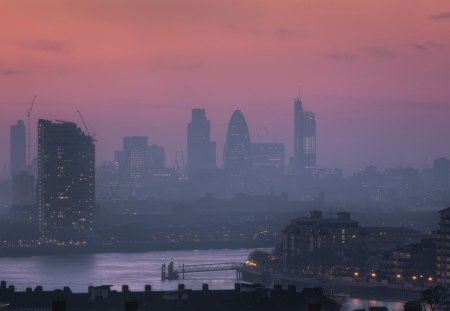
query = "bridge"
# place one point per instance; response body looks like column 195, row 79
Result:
column 172, row 274
column 222, row 266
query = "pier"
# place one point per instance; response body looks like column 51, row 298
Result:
column 169, row 273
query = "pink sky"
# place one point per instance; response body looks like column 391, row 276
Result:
column 375, row 72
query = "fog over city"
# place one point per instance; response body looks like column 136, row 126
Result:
column 376, row 74
column 261, row 155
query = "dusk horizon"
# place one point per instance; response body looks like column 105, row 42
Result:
column 244, row 155
column 378, row 86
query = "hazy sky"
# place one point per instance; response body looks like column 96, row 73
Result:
column 375, row 72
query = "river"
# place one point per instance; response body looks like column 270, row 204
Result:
column 134, row 269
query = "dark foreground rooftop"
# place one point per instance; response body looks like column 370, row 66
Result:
column 243, row 297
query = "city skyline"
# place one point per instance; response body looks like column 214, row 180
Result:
column 379, row 89
column 258, row 138
column 228, row 154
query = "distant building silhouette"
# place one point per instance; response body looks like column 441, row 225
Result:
column 134, row 157
column 441, row 176
column 304, row 140
column 66, row 182
column 399, row 183
column 268, row 166
column 118, row 157
column 156, row 157
column 23, row 188
column 237, row 150
column 201, row 151
column 237, row 162
column 268, row 157
column 18, row 148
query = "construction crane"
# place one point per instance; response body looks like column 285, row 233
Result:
column 183, row 162
column 176, row 163
column 29, row 130
column 85, row 126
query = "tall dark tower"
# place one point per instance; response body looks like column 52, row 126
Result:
column 18, row 148
column 134, row 165
column 201, row 151
column 66, row 182
column 237, row 157
column 304, row 140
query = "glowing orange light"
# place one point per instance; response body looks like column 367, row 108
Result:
column 250, row 263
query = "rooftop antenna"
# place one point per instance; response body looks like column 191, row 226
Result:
column 299, row 92
column 29, row 130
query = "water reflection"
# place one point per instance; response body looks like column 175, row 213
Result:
column 133, row 269
column 356, row 303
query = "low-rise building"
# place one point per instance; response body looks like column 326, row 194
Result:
column 314, row 245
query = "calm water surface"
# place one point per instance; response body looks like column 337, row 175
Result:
column 134, row 269
column 355, row 303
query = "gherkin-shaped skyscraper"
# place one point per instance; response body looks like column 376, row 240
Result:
column 237, row 157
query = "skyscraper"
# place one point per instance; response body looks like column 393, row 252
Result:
column 66, row 182
column 267, row 166
column 304, row 140
column 237, row 149
column 134, row 158
column 201, row 151
column 156, row 157
column 268, row 159
column 18, row 148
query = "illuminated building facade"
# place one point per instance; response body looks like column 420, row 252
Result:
column 66, row 183
column 135, row 158
column 304, row 140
